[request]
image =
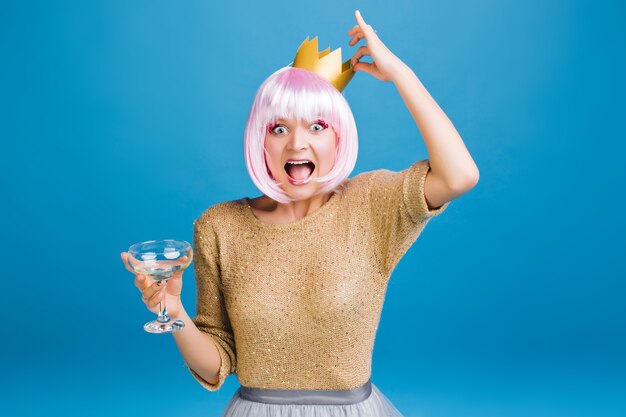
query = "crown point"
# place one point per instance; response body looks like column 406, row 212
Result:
column 325, row 63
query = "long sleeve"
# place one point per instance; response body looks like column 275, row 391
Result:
column 212, row 317
column 398, row 211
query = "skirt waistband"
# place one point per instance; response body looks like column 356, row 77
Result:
column 307, row 397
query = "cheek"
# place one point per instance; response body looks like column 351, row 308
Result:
column 270, row 152
column 329, row 155
column 270, row 155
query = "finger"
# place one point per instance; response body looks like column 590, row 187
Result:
column 353, row 30
column 140, row 282
column 357, row 37
column 360, row 53
column 365, row 67
column 145, row 297
column 359, row 19
column 146, row 283
column 150, row 288
column 177, row 275
column 124, row 256
column 367, row 29
column 155, row 299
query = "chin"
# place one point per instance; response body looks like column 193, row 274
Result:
column 301, row 192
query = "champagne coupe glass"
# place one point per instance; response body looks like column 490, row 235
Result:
column 159, row 259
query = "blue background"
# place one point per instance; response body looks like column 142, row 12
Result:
column 122, row 121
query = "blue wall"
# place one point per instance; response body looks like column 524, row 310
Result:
column 122, row 121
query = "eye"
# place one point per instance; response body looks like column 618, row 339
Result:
column 319, row 125
column 276, row 128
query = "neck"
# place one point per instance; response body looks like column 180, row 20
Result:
column 299, row 209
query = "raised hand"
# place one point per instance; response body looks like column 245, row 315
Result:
column 385, row 64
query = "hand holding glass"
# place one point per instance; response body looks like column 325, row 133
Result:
column 159, row 260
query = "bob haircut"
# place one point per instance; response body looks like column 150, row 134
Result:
column 298, row 94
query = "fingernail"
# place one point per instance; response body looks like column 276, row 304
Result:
column 140, row 277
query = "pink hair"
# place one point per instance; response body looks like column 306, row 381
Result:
column 296, row 93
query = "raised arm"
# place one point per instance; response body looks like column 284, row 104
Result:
column 452, row 169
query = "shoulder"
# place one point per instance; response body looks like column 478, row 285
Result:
column 384, row 178
column 219, row 212
column 363, row 181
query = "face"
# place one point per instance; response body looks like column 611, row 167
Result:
column 291, row 140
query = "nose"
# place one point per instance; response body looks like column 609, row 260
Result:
column 299, row 139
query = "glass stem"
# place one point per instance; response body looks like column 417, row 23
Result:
column 163, row 317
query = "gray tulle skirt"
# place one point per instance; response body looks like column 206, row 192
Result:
column 365, row 401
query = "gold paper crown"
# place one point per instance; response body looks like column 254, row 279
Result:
column 326, row 64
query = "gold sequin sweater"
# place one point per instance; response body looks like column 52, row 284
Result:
column 297, row 305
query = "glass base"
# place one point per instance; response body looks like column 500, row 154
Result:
column 168, row 327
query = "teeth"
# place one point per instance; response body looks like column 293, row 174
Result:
column 298, row 162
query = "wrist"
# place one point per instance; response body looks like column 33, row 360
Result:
column 175, row 308
column 401, row 72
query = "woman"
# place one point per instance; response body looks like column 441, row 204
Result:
column 290, row 285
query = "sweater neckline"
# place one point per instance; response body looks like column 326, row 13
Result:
column 298, row 223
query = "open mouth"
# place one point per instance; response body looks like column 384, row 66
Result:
column 299, row 171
